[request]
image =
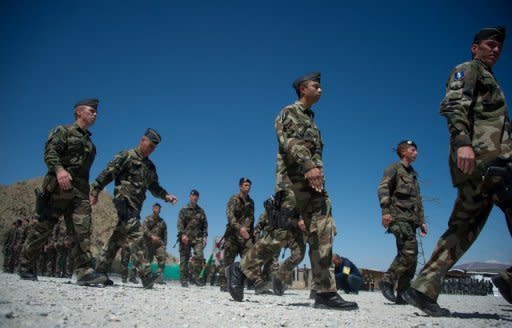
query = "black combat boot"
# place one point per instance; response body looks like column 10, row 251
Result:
column 28, row 275
column 184, row 283
column 262, row 288
column 133, row 280
column 333, row 301
column 312, row 294
column 236, row 280
column 278, row 286
column 387, row 290
column 503, row 287
column 149, row 280
column 92, row 278
column 400, row 300
column 424, row 303
column 108, row 281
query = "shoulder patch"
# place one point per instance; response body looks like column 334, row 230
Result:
column 458, row 76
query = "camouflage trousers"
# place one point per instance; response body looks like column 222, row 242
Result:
column 403, row 267
column 64, row 261
column 468, row 217
column 74, row 206
column 233, row 246
column 261, row 259
column 157, row 251
column 189, row 270
column 10, row 259
column 127, row 233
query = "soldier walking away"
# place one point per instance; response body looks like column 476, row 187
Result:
column 402, row 213
column 134, row 173
column 69, row 154
column 480, row 146
column 302, row 201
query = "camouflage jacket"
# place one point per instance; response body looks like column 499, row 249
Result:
column 240, row 213
column 156, row 227
column 70, row 148
column 474, row 106
column 133, row 174
column 262, row 224
column 300, row 145
column 399, row 194
column 192, row 222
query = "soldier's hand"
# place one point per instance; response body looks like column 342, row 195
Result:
column 302, row 225
column 466, row 159
column 423, row 230
column 171, row 199
column 93, row 200
column 64, row 179
column 315, row 178
column 386, row 220
column 155, row 238
column 244, row 233
column 184, row 239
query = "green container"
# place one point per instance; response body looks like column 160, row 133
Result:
column 171, row 271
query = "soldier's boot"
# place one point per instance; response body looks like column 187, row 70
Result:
column 133, row 280
column 149, row 280
column 400, row 300
column 333, row 301
column 124, row 279
column 278, row 286
column 92, row 278
column 503, row 287
column 236, row 280
column 424, row 303
column 262, row 288
column 184, row 283
column 312, row 294
column 28, row 275
column 387, row 290
column 107, row 281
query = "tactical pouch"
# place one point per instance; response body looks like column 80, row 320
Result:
column 42, row 204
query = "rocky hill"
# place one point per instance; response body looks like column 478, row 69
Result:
column 18, row 201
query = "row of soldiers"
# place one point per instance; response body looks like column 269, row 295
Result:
column 300, row 212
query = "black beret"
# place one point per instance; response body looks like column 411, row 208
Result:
column 153, row 136
column 194, row 192
column 315, row 76
column 93, row 102
column 491, row 33
column 244, row 180
column 156, row 204
column 407, row 142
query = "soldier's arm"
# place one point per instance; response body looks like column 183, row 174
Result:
column 156, row 189
column 55, row 146
column 181, row 222
column 458, row 101
column 421, row 212
column 113, row 169
column 232, row 208
column 164, row 234
column 291, row 142
column 385, row 189
column 205, row 226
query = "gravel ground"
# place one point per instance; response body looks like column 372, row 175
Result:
column 53, row 302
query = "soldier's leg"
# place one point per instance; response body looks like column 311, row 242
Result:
column 198, row 260
column 80, row 223
column 135, row 241
column 262, row 252
column 185, row 252
column 52, row 261
column 37, row 236
column 125, row 260
column 161, row 257
column 230, row 252
column 410, row 261
column 469, row 215
column 297, row 245
column 109, row 250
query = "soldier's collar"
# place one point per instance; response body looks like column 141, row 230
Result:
column 137, row 151
column 303, row 108
column 77, row 127
column 484, row 66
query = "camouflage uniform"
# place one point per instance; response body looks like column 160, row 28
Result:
column 11, row 244
column 193, row 223
column 133, row 175
column 477, row 116
column 262, row 259
column 125, row 261
column 69, row 148
column 62, row 246
column 399, row 196
column 240, row 213
column 156, row 227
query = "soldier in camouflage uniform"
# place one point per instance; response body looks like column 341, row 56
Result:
column 479, row 124
column 134, row 173
column 192, row 235
column 62, row 246
column 11, row 244
column 126, row 273
column 238, row 238
column 69, row 154
column 402, row 213
column 155, row 235
column 304, row 203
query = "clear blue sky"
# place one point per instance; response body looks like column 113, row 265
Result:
column 212, row 75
